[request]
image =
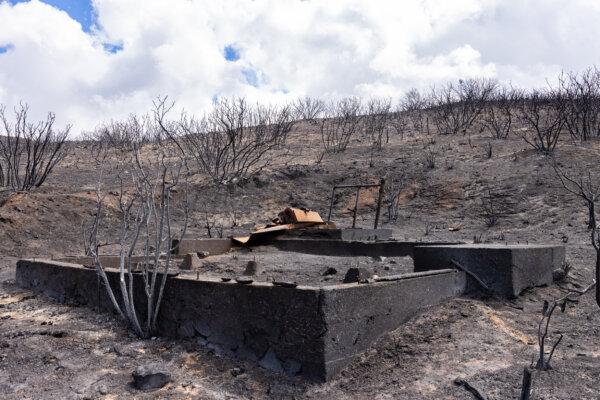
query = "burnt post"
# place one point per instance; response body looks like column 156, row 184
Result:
column 380, row 185
column 379, row 200
column 355, row 208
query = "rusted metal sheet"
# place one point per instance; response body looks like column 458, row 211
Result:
column 288, row 219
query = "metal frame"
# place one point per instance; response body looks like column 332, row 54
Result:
column 380, row 185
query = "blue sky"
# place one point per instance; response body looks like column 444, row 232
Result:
column 81, row 11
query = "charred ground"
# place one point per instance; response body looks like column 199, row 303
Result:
column 50, row 350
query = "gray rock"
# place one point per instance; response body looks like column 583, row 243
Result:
column 203, row 254
column 355, row 275
column 191, row 261
column 243, row 280
column 151, row 376
column 252, row 268
column 270, row 361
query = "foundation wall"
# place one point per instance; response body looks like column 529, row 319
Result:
column 350, row 248
column 505, row 269
column 311, row 331
column 357, row 315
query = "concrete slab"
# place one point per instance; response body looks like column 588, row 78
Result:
column 315, row 332
column 347, row 234
column 212, row 246
column 506, row 269
column 357, row 315
column 388, row 248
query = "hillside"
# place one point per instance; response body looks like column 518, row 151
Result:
column 485, row 341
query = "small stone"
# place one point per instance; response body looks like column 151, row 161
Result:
column 150, row 376
column 191, row 261
column 225, row 279
column 271, row 361
column 103, row 390
column 203, row 254
column 330, row 271
column 559, row 275
column 355, row 275
column 243, row 280
column 386, row 268
column 379, row 258
column 252, row 268
column 237, row 371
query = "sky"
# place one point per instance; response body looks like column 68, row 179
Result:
column 94, row 60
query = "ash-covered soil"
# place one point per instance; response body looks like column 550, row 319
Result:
column 303, row 269
column 49, row 350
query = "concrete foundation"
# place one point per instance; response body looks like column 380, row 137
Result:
column 212, row 246
column 506, row 269
column 390, row 248
column 304, row 330
column 347, row 234
column 308, row 330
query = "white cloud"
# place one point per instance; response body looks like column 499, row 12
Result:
column 291, row 47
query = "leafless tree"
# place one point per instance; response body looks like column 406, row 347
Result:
column 455, row 107
column 399, row 120
column 582, row 97
column 29, row 151
column 430, row 156
column 376, row 121
column 498, row 112
column 145, row 211
column 542, row 113
column 308, row 108
column 341, row 120
column 586, row 186
column 122, row 134
column 414, row 105
column 394, row 187
column 233, row 142
column 543, row 361
column 490, row 211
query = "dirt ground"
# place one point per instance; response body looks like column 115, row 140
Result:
column 304, row 269
column 49, row 350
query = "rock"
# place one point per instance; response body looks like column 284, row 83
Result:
column 237, row 371
column 355, row 275
column 203, row 254
column 379, row 258
column 103, row 390
column 559, row 275
column 330, row 271
column 191, row 261
column 151, row 376
column 243, row 280
column 252, row 268
column 271, row 362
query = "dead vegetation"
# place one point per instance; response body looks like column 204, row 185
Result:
column 29, row 151
column 210, row 143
